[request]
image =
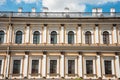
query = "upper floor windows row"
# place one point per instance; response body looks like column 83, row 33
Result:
column 54, row 37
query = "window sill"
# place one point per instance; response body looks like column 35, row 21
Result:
column 72, row 74
column 90, row 75
column 109, row 75
column 35, row 74
column 54, row 74
column 15, row 74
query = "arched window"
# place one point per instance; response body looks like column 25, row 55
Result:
column 2, row 36
column 70, row 37
column 18, row 38
column 53, row 37
column 88, row 37
column 36, row 37
column 105, row 37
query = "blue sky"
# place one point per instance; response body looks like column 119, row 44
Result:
column 59, row 5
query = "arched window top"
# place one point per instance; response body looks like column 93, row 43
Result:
column 105, row 33
column 19, row 33
column 36, row 33
column 18, row 37
column 53, row 33
column 2, row 32
column 88, row 33
column 88, row 39
column 71, row 32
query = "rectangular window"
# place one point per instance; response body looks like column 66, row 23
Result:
column 89, row 66
column 53, row 66
column 108, row 65
column 35, row 65
column 71, row 66
column 16, row 66
column 0, row 65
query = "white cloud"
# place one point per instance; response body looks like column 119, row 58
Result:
column 97, row 2
column 2, row 2
column 59, row 5
column 26, row 1
column 74, row 5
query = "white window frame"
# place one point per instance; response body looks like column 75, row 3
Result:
column 2, row 66
column 66, row 64
column 40, row 37
column 39, row 66
column 112, row 62
column 22, row 36
column 48, row 66
column 11, row 66
column 93, row 58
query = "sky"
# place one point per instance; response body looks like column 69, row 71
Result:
column 59, row 5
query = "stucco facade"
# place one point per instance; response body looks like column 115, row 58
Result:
column 78, row 52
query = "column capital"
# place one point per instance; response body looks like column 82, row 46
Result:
column 79, row 25
column 28, row 24
column 9, row 52
column 62, row 24
column 45, row 24
column 44, row 52
column 80, row 53
column 27, row 52
column 98, row 53
column 116, row 53
column 114, row 25
column 96, row 24
column 62, row 52
column 11, row 24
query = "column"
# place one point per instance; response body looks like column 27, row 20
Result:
column 7, row 64
column 45, row 33
column 44, row 64
column 26, row 64
column 62, row 70
column 27, row 33
column 80, row 65
column 117, row 65
column 10, row 34
column 114, row 34
column 96, row 34
column 62, row 33
column 98, row 65
column 79, row 34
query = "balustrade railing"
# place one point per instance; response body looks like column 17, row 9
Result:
column 60, row 14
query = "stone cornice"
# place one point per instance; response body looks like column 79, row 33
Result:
column 61, row 48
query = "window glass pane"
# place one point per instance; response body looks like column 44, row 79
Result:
column 16, row 66
column 36, row 37
column 108, row 65
column 105, row 37
column 71, row 66
column 18, row 37
column 2, row 36
column 53, row 37
column 0, row 65
column 35, row 65
column 53, row 66
column 88, row 37
column 89, row 66
column 70, row 37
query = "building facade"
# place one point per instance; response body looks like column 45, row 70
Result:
column 60, row 45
